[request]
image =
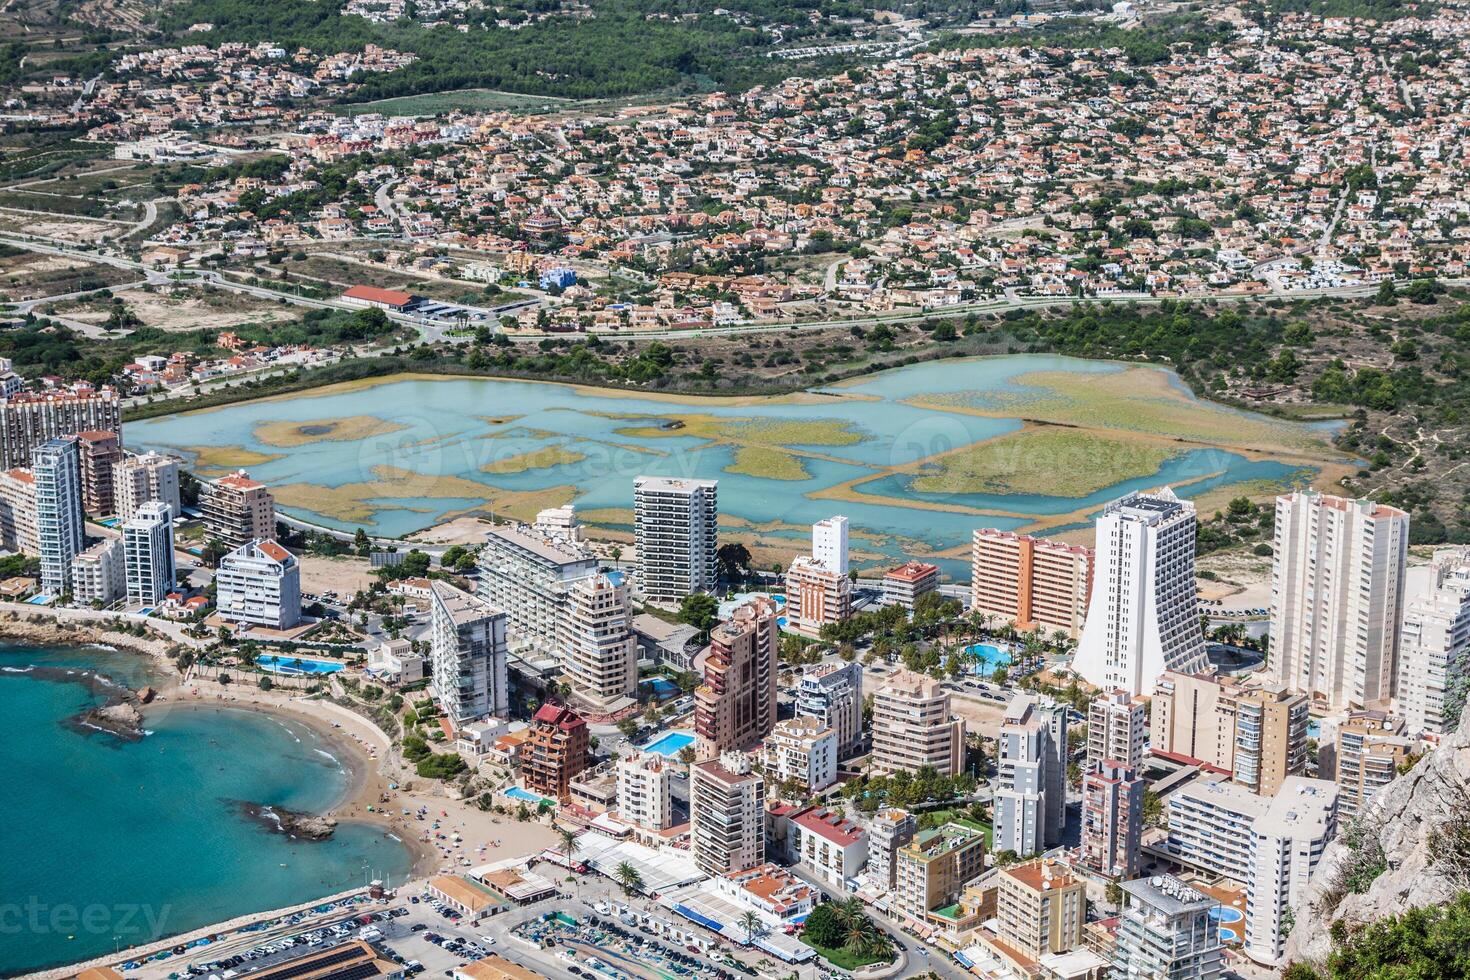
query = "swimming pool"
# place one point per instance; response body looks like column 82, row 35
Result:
column 662, row 687
column 525, row 795
column 297, row 665
column 669, row 744
column 1223, row 914
column 993, row 657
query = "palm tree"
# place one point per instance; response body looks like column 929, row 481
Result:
column 629, row 878
column 569, row 843
column 752, row 925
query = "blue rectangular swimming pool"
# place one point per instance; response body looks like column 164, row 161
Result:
column 516, row 793
column 669, row 744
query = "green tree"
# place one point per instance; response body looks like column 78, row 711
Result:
column 700, row 610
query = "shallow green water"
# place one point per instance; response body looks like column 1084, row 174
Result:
column 449, row 428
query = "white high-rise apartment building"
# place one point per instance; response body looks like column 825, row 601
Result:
column 1117, row 727
column 727, row 817
column 1287, row 841
column 1434, row 644
column 1142, row 619
column 1166, row 932
column 56, row 472
column 643, row 792
column 467, row 636
column 528, row 571
column 148, row 547
column 1210, row 826
column 260, row 583
column 99, row 574
column 829, row 543
column 833, row 693
column 139, row 479
column 1337, row 590
column 1030, row 796
column 676, row 529
column 601, row 656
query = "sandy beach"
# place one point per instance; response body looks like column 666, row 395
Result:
column 382, row 786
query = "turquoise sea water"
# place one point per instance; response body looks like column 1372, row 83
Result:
column 110, row 844
column 454, row 427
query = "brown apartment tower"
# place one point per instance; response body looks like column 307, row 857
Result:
column 735, row 707
column 555, row 752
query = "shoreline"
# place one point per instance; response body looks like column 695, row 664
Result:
column 367, row 785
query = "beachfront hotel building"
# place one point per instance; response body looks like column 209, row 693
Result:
column 601, row 655
column 139, row 479
column 1117, row 728
column 555, row 752
column 909, row 582
column 1034, row 583
column 1142, row 618
column 1112, row 819
column 913, row 727
column 259, row 583
column 1040, row 908
column 727, row 820
column 467, row 639
column 676, row 530
column 238, row 510
column 29, row 419
column 1258, row 735
column 1031, row 781
column 802, row 751
column 1166, row 930
column 1287, row 842
column 933, row 868
column 1434, row 645
column 1367, row 750
column 735, row 706
column 99, row 574
column 18, row 512
column 528, row 570
column 1337, row 591
column 60, row 528
column 148, row 551
column 833, row 694
column 644, row 798
column 99, row 452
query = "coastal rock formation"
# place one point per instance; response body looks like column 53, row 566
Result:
column 1413, row 830
column 121, row 720
column 292, row 823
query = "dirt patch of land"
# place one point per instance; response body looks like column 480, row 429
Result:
column 183, row 309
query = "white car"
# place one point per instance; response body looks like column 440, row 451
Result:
column 488, row 940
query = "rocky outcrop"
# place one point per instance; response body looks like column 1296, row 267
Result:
column 1411, row 831
column 121, row 720
column 292, row 823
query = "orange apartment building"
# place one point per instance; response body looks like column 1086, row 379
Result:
column 1037, row 583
